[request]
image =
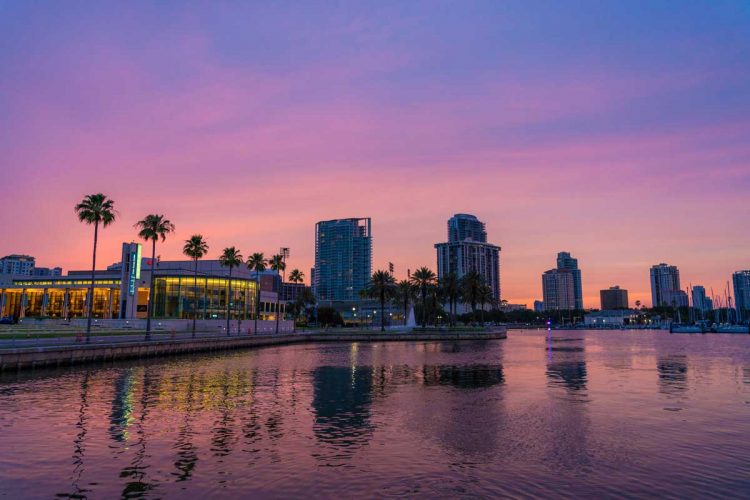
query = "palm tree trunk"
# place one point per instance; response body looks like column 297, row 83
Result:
column 424, row 307
column 91, row 289
column 278, row 292
column 229, row 297
column 195, row 295
column 150, row 311
column 257, row 302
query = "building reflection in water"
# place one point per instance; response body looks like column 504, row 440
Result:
column 569, row 422
column 566, row 362
column 341, row 403
column 121, row 415
column 463, row 376
column 672, row 372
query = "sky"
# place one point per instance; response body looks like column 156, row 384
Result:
column 617, row 131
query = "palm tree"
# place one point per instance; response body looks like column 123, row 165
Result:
column 382, row 285
column 471, row 283
column 484, row 297
column 296, row 276
column 277, row 264
column 422, row 279
column 404, row 295
column 451, row 290
column 257, row 262
column 94, row 209
column 151, row 228
column 231, row 258
column 195, row 248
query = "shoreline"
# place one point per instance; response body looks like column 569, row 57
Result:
column 24, row 358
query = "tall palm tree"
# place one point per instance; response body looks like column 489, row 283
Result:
column 422, row 279
column 382, row 285
column 405, row 295
column 296, row 276
column 257, row 262
column 471, row 283
column 195, row 248
column 94, row 209
column 484, row 297
column 451, row 290
column 277, row 264
column 231, row 258
column 152, row 228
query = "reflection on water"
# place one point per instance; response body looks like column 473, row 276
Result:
column 539, row 414
column 672, row 374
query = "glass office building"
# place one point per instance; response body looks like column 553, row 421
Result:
column 343, row 258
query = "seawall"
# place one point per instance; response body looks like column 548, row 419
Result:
column 52, row 356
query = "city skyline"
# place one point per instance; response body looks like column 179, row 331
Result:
column 587, row 139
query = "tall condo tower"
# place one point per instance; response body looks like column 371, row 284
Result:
column 467, row 250
column 343, row 258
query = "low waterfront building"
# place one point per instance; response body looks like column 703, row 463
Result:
column 538, row 306
column 612, row 318
column 614, row 298
column 122, row 292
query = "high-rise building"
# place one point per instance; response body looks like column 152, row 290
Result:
column 21, row 265
column 565, row 261
column 700, row 301
column 467, row 250
column 343, row 258
column 741, row 282
column 665, row 285
column 614, row 298
column 559, row 290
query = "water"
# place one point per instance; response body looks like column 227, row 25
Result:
column 582, row 413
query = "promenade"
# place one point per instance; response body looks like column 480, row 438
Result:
column 18, row 354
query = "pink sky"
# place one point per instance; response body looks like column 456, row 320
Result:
column 623, row 156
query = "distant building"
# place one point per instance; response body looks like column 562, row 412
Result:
column 665, row 285
column 20, row 265
column 565, row 261
column 513, row 307
column 611, row 318
column 558, row 290
column 290, row 291
column 614, row 298
column 741, row 282
column 46, row 271
column 538, row 306
column 343, row 258
column 700, row 301
column 677, row 298
column 467, row 250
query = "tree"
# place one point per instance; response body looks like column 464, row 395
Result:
column 422, row 279
column 451, row 291
column 257, row 262
column 277, row 264
column 231, row 258
column 328, row 316
column 195, row 248
column 304, row 299
column 94, row 209
column 382, row 285
column 471, row 283
column 152, row 228
column 405, row 295
column 296, row 276
column 485, row 297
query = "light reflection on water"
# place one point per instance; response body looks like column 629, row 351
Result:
column 541, row 413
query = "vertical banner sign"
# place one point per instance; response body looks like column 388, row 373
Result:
column 135, row 268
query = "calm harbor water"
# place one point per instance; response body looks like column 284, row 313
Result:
column 578, row 413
